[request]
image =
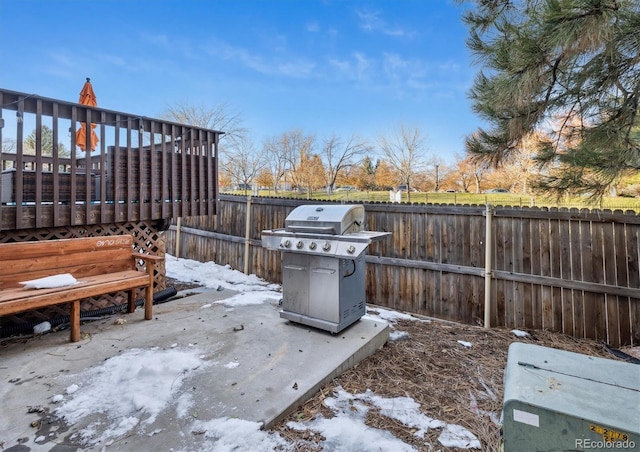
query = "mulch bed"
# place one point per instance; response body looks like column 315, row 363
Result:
column 451, row 382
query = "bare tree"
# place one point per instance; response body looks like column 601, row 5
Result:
column 520, row 167
column 480, row 170
column 301, row 158
column 238, row 156
column 338, row 154
column 218, row 117
column 405, row 151
column 276, row 160
column 297, row 149
column 241, row 161
column 9, row 146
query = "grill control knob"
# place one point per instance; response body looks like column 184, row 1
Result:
column 351, row 249
column 299, row 244
column 312, row 245
column 326, row 246
column 287, row 243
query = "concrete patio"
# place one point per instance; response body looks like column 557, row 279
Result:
column 282, row 365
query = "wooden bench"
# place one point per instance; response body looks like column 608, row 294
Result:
column 101, row 265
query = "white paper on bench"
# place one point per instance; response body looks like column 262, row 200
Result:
column 50, row 282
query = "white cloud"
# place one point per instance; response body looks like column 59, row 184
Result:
column 371, row 21
column 393, row 63
column 62, row 65
column 114, row 60
column 300, row 68
column 63, row 59
column 155, row 39
column 362, row 65
column 449, row 66
column 343, row 66
column 356, row 68
column 288, row 67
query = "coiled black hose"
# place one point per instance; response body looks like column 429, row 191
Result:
column 159, row 297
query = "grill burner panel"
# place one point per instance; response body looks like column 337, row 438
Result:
column 347, row 246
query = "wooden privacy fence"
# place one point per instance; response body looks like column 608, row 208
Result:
column 565, row 270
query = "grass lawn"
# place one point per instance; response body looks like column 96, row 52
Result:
column 496, row 199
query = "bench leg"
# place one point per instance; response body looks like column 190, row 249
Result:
column 131, row 305
column 148, row 291
column 148, row 302
column 74, row 321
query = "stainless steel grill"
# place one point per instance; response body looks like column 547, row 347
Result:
column 323, row 266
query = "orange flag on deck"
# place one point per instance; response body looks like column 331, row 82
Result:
column 87, row 97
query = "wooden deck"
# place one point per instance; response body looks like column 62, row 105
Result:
column 142, row 169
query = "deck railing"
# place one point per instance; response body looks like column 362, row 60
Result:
column 140, row 169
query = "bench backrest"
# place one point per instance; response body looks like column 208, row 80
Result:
column 80, row 257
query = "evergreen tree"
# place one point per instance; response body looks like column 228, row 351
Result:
column 46, row 143
column 569, row 69
column 368, row 174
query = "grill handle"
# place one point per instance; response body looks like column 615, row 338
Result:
column 326, row 229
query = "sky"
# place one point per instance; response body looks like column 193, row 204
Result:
column 132, row 388
column 326, row 67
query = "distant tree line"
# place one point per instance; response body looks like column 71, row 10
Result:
column 302, row 162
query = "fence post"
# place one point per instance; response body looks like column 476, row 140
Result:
column 247, row 236
column 488, row 270
column 178, row 227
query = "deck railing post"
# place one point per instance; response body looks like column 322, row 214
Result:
column 178, row 230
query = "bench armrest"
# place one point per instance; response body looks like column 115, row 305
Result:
column 150, row 262
column 147, row 257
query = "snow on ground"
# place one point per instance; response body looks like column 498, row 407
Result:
column 126, row 393
column 347, row 431
column 389, row 315
column 212, row 275
column 253, row 290
column 398, row 335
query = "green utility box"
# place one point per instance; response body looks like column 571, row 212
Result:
column 556, row 400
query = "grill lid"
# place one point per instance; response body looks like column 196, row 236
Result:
column 326, row 219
